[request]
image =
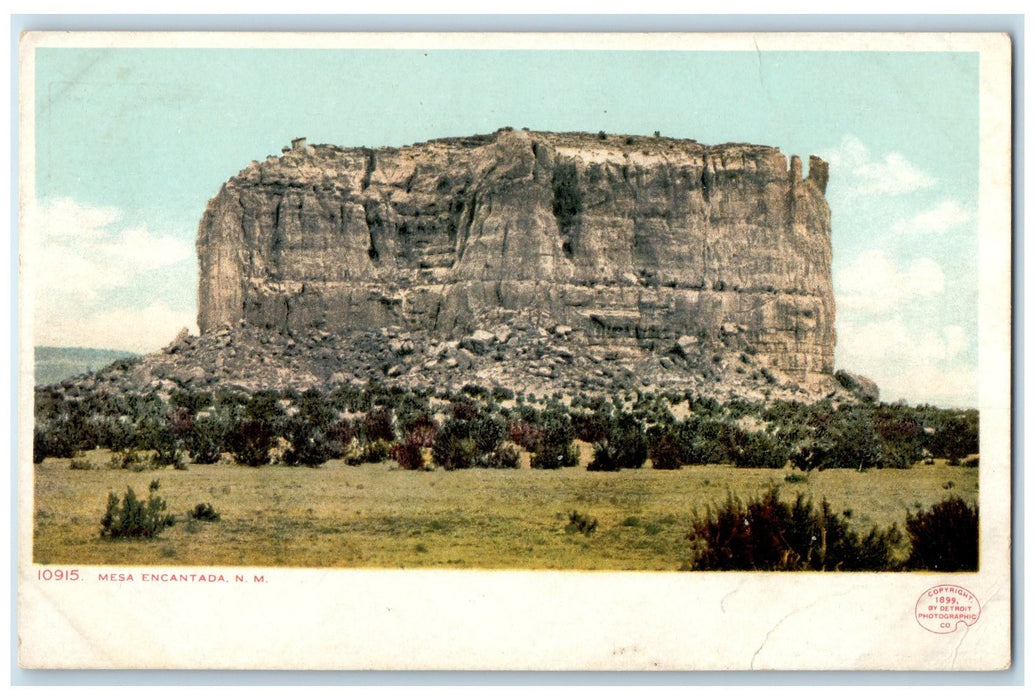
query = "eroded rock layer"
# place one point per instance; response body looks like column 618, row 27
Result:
column 649, row 246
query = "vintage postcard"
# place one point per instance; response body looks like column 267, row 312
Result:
column 517, row 351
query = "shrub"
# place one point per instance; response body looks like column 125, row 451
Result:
column 463, row 409
column 127, row 459
column 578, row 522
column 771, row 535
column 204, row 511
column 422, row 430
column 454, row 448
column 251, row 441
column 476, row 391
column 134, row 518
column 605, row 458
column 761, row 451
column 958, row 437
column 193, row 402
column 625, row 446
column 80, row 463
column 310, row 444
column 264, row 406
column 488, row 432
column 408, row 455
column 377, row 425
column 796, row 478
column 503, row 457
column 500, row 393
column 166, row 445
column 524, row 434
column 663, row 451
column 373, row 452
column 591, row 427
column 52, row 441
column 554, row 448
column 207, row 440
column 944, row 538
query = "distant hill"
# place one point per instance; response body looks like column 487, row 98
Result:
column 56, row 364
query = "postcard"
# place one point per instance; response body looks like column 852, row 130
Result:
column 541, row 352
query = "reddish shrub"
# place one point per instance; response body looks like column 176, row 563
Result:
column 408, row 455
column 525, row 434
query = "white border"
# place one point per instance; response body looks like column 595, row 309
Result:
column 361, row 619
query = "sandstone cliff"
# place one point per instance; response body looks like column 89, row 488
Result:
column 644, row 247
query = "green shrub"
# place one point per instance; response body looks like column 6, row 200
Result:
column 128, row 459
column 760, row 451
column 624, row 448
column 503, row 457
column 310, row 443
column 663, row 451
column 768, row 534
column 554, row 448
column 453, row 447
column 204, row 511
column 488, row 432
column 80, row 463
column 372, row 453
column 207, row 439
column 134, row 518
column 500, row 393
column 250, row 443
column 578, row 522
column 52, row 441
column 944, row 538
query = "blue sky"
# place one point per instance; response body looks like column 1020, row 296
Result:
column 131, row 144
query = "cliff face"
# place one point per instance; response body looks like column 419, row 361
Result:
column 626, row 242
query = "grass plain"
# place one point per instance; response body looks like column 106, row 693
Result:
column 376, row 515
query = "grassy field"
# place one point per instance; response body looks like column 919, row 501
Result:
column 376, row 515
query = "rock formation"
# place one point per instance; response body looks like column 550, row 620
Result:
column 633, row 245
column 545, row 263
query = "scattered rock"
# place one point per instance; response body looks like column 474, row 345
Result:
column 858, row 385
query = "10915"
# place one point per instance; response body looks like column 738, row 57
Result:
column 57, row 574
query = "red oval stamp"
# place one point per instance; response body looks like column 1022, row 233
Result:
column 942, row 608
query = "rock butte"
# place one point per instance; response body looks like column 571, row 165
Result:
column 542, row 262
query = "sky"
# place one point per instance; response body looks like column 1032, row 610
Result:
column 132, row 143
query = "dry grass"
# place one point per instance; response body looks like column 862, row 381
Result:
column 378, row 516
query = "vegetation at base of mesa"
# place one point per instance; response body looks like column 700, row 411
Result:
column 473, row 437
column 482, row 427
column 622, row 446
column 553, row 446
column 132, row 518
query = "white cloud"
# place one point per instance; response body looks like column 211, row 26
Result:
column 876, row 283
column 940, row 218
column 863, row 173
column 916, row 364
column 137, row 330
column 79, row 250
column 90, row 277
